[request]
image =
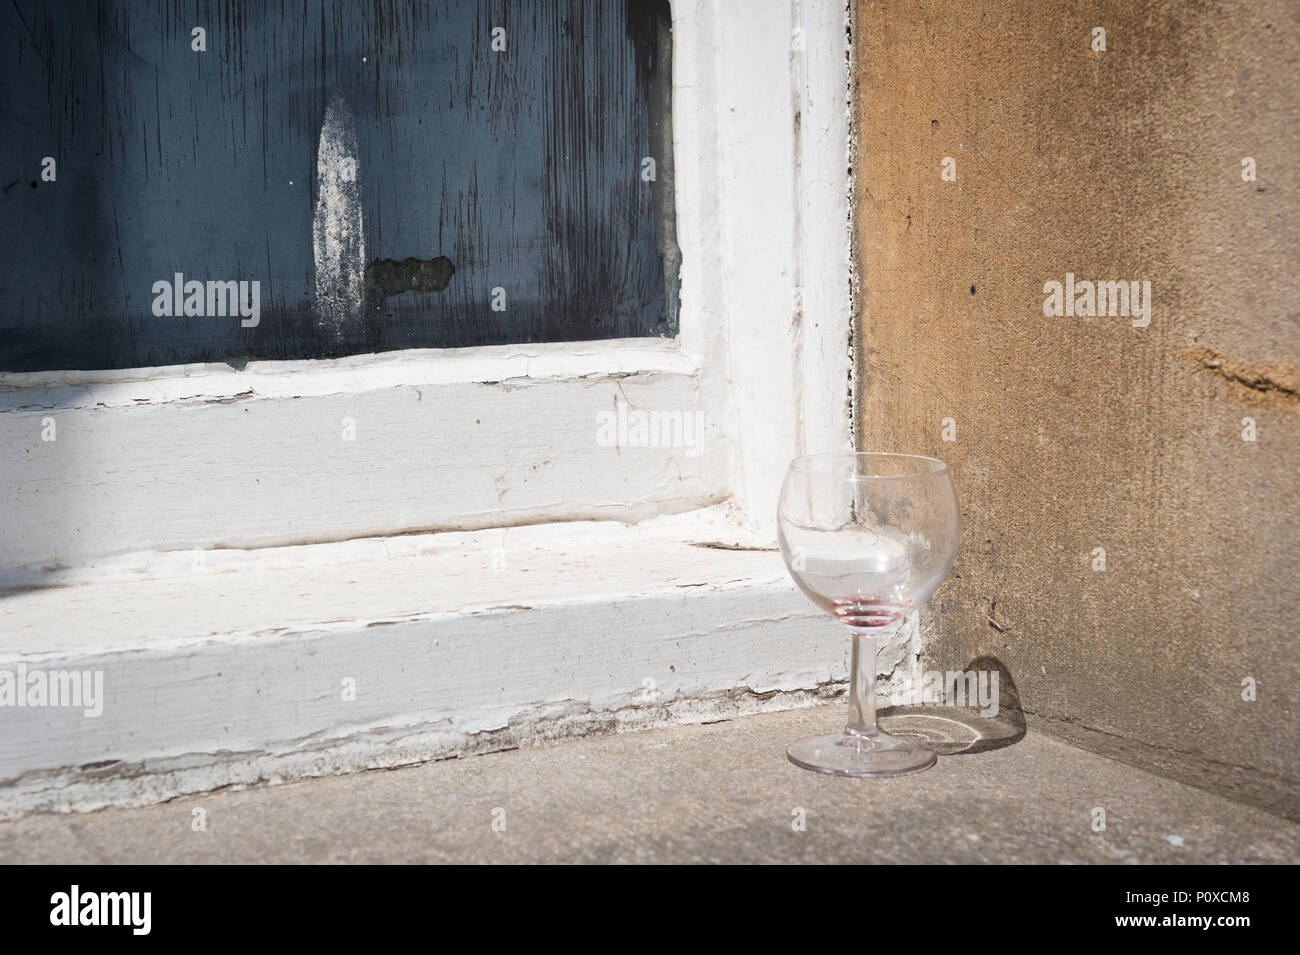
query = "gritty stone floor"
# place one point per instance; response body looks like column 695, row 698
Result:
column 722, row 792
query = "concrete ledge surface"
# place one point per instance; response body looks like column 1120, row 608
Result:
column 721, row 792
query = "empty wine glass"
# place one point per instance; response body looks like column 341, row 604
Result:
column 869, row 538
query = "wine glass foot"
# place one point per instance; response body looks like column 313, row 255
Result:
column 858, row 754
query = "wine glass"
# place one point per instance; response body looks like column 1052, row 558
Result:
column 869, row 537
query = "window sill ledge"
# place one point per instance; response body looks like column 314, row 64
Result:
column 239, row 671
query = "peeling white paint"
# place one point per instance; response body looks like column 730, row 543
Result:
column 86, row 789
column 338, row 233
column 234, row 675
column 212, row 381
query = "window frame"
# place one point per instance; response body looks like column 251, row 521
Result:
column 204, row 456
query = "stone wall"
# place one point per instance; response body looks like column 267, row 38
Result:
column 1076, row 432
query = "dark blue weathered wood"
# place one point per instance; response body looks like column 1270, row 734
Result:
column 474, row 170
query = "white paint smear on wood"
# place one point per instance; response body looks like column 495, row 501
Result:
column 338, row 236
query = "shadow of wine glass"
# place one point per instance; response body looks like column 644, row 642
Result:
column 958, row 730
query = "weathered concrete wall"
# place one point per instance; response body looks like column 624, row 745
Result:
column 1072, row 432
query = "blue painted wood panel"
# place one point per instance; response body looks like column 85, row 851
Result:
column 430, row 173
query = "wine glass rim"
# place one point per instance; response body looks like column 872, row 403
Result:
column 807, row 464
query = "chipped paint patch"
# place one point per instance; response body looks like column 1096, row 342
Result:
column 385, row 277
column 116, row 783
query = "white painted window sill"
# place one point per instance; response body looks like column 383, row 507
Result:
column 238, row 671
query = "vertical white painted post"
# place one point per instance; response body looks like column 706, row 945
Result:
column 783, row 183
column 825, row 227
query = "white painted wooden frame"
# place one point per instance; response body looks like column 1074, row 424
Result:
column 197, row 457
column 224, row 667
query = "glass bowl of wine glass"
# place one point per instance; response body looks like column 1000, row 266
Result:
column 868, row 537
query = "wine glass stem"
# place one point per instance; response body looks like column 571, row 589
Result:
column 862, row 686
